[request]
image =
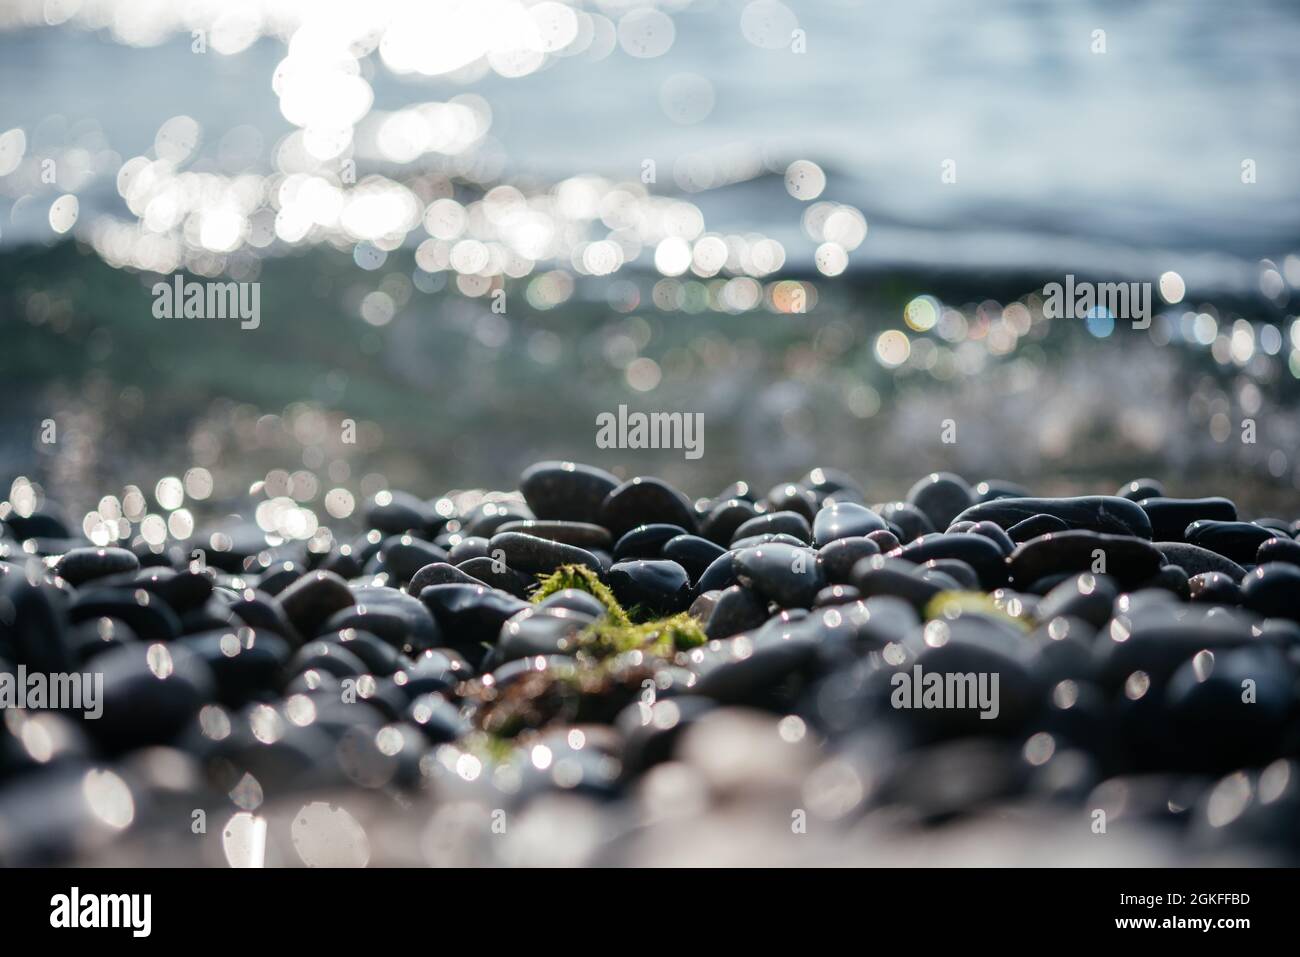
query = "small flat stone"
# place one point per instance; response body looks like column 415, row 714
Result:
column 1171, row 516
column 1106, row 514
column 81, row 565
column 539, row 556
column 582, row 534
column 1237, row 541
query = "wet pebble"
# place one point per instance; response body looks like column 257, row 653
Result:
column 566, row 491
column 788, row 575
column 845, row 520
column 1236, row 541
column 693, row 553
column 642, row 501
column 656, row 586
column 81, row 565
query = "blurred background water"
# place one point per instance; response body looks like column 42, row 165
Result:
column 384, row 171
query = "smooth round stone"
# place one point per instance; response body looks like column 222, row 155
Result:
column 539, row 556
column 151, row 692
column 645, row 541
column 438, row 718
column 956, row 570
column 907, row 518
column 837, row 558
column 1105, row 514
column 327, row 656
column 775, row 523
column 1129, row 560
column 1238, row 541
column 574, row 599
column 312, row 599
column 264, row 613
column 216, row 613
column 537, row 631
column 788, row 575
column 1278, row 550
column 1034, row 527
column 582, row 534
column 342, row 562
column 1172, row 578
column 183, row 591
column 751, row 667
column 566, row 491
column 702, row 606
column 737, row 609
column 1275, row 525
column 395, row 513
column 833, row 595
column 440, row 573
column 279, row 576
column 693, row 553
column 753, row 541
column 1087, row 597
column 645, row 501
column 720, row 525
column 942, row 496
column 990, row 489
column 81, row 565
column 496, row 575
column 719, row 575
column 845, row 520
column 149, row 616
column 471, row 546
column 436, row 670
column 885, row 540
column 394, row 616
column 1214, row 588
column 1273, row 590
column 379, row 656
column 470, row 616
column 993, row 533
column 936, row 576
column 880, row 576
column 246, row 665
column 983, row 555
column 655, row 586
column 1197, row 561
column 1140, row 489
column 401, row 556
column 830, row 481
column 794, row 498
column 1171, row 516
